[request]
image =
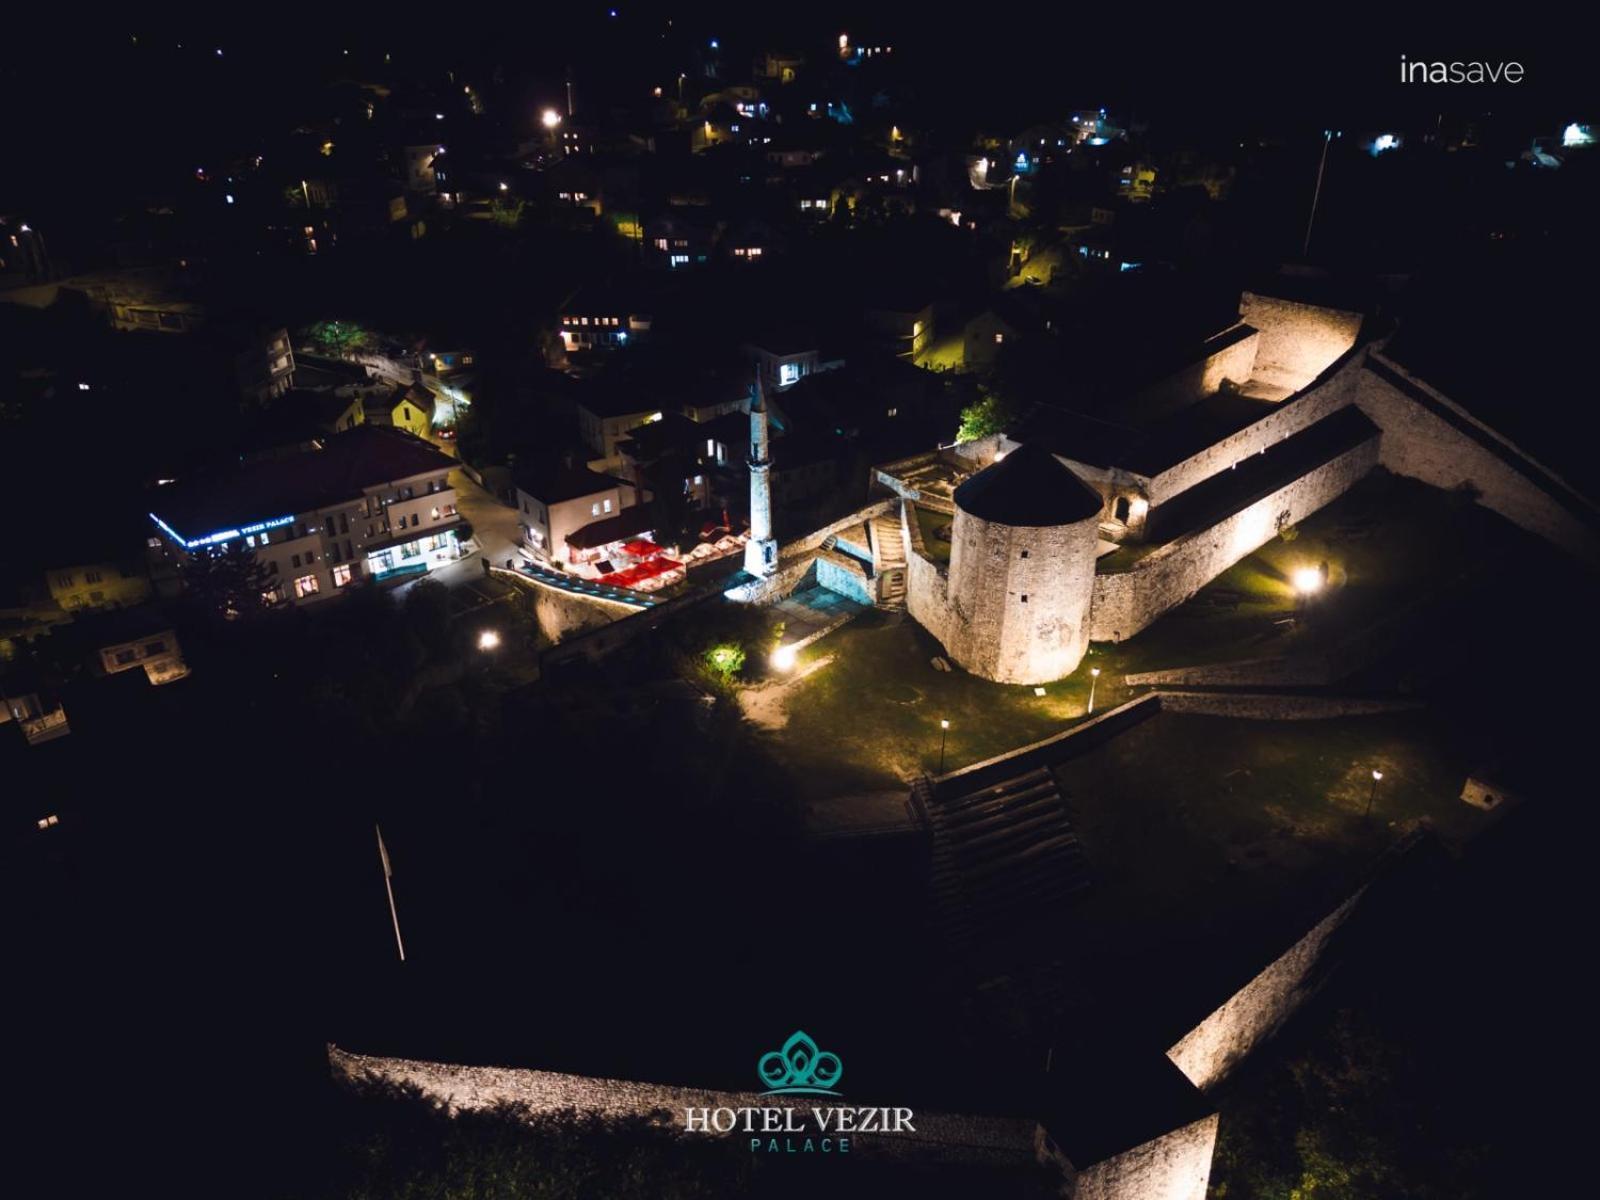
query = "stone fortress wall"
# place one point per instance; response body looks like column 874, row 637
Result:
column 1297, row 341
column 1019, row 597
column 1127, row 602
column 935, row 1137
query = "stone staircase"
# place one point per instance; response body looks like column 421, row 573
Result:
column 1005, row 860
column 889, row 561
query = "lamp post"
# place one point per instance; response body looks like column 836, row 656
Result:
column 388, row 886
column 1327, row 140
column 1094, row 680
column 1373, row 794
column 944, row 729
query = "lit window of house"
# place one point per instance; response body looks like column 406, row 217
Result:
column 341, row 575
column 305, row 586
column 999, row 338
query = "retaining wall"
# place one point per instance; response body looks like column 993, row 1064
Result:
column 937, row 1137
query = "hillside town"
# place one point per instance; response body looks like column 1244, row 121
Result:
column 591, row 573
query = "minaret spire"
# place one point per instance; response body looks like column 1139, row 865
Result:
column 761, row 550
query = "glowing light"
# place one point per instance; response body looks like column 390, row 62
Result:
column 1306, row 580
column 1095, row 671
column 783, row 658
column 438, row 116
column 1376, row 776
column 943, row 724
column 83, row 387
column 550, row 118
column 488, row 640
column 505, row 187
column 1577, row 135
column 1038, row 691
column 1384, row 141
column 716, row 45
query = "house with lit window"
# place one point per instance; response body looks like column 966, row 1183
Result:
column 606, row 415
column 370, row 503
column 784, row 355
column 410, row 408
column 559, row 497
column 678, row 239
column 596, row 319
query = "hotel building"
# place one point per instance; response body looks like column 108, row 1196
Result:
column 371, row 502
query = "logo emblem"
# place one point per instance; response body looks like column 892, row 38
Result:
column 800, row 1068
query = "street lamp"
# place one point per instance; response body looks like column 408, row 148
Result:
column 1094, row 680
column 550, row 118
column 783, row 658
column 488, row 640
column 1307, row 580
column 1373, row 794
column 944, row 729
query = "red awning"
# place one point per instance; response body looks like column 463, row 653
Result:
column 640, row 548
column 642, row 572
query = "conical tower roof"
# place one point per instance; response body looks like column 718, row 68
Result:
column 1029, row 487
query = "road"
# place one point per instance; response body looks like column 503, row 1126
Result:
column 495, row 530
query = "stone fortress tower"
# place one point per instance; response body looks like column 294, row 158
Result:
column 1021, row 578
column 761, row 551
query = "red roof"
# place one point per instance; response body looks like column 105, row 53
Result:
column 640, row 548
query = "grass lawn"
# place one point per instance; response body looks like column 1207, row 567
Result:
column 1389, row 542
column 869, row 719
column 1201, row 827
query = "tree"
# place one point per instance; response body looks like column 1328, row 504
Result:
column 507, row 214
column 990, row 414
column 228, row 583
column 339, row 338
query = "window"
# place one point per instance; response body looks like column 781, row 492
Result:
column 91, row 576
column 1024, row 597
column 606, row 505
column 155, row 647
column 272, row 568
column 295, row 559
column 999, row 339
column 124, row 657
column 341, row 575
column 306, row 585
column 788, row 373
column 1120, row 509
column 594, row 510
column 1024, row 554
column 64, row 581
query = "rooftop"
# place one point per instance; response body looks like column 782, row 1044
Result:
column 1029, row 487
column 336, row 469
column 553, row 482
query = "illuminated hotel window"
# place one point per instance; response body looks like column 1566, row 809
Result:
column 341, row 576
column 306, row 585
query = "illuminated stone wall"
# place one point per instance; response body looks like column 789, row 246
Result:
column 1175, row 1166
column 1298, row 341
column 1019, row 597
column 1258, row 1010
column 796, row 558
column 1293, row 416
column 937, row 1136
column 1228, row 357
column 927, row 582
column 1429, row 437
column 1126, row 602
column 845, row 575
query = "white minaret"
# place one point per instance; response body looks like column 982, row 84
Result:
column 761, row 551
